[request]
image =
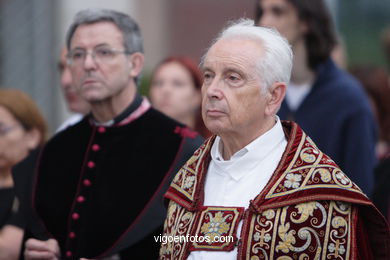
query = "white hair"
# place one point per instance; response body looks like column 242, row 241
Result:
column 276, row 63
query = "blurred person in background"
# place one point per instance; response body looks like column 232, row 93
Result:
column 74, row 101
column 375, row 82
column 22, row 129
column 328, row 103
column 175, row 91
column 386, row 46
column 339, row 53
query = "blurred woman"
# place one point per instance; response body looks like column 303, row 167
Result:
column 22, row 129
column 375, row 82
column 377, row 87
column 175, row 91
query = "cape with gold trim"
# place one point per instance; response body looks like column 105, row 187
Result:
column 308, row 210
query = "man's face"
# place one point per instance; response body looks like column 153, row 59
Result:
column 98, row 80
column 283, row 16
column 232, row 99
column 73, row 100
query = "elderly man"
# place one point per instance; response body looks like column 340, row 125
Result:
column 260, row 188
column 99, row 183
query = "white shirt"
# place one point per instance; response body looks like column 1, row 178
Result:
column 236, row 181
column 295, row 94
column 74, row 119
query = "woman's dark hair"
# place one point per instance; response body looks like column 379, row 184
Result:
column 320, row 37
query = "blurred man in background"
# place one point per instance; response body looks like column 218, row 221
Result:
column 75, row 103
column 328, row 103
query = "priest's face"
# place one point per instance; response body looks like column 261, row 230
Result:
column 233, row 102
column 100, row 68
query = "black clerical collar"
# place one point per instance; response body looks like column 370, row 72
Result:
column 130, row 109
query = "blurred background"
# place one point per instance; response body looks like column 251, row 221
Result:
column 32, row 33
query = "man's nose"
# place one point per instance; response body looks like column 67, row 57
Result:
column 215, row 89
column 266, row 20
column 90, row 61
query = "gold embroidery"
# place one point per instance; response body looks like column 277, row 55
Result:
column 312, row 230
column 217, row 225
column 310, row 169
column 178, row 222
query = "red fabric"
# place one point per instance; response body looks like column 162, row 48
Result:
column 309, row 208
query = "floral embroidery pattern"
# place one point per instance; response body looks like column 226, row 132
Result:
column 178, row 222
column 185, row 181
column 189, row 181
column 216, row 227
column 342, row 178
column 292, row 180
column 312, row 230
column 337, row 249
column 309, row 169
column 217, row 222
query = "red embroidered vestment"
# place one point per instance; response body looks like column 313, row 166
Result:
column 308, row 210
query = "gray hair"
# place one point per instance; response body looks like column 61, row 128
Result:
column 276, row 64
column 129, row 28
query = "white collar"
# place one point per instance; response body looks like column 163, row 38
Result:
column 248, row 157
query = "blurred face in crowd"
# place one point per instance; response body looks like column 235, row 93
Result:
column 173, row 92
column 283, row 16
column 15, row 141
column 110, row 72
column 232, row 99
column 73, row 100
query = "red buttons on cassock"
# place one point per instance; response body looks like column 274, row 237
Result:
column 75, row 216
column 95, row 147
column 72, row 235
column 101, row 129
column 91, row 164
column 68, row 254
column 80, row 199
column 87, row 182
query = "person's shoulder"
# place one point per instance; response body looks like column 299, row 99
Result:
column 74, row 119
column 167, row 125
column 344, row 90
column 155, row 116
column 68, row 135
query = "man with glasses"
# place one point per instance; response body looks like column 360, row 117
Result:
column 99, row 183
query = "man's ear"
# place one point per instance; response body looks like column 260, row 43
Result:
column 276, row 95
column 136, row 64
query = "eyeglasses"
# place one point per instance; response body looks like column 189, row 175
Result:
column 100, row 55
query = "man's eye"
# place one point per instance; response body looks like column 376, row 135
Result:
column 233, row 78
column 103, row 52
column 78, row 55
column 207, row 77
column 278, row 11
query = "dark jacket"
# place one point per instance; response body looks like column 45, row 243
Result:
column 99, row 189
column 337, row 116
